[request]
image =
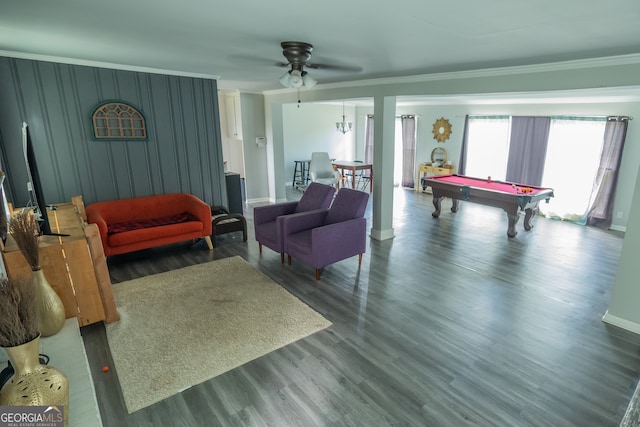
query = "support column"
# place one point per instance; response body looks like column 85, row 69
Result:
column 275, row 156
column 384, row 110
column 625, row 294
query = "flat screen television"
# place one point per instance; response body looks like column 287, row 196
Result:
column 34, row 186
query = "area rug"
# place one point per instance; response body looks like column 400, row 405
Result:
column 185, row 326
column 632, row 415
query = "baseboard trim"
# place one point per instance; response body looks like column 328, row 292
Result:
column 261, row 200
column 382, row 234
column 621, row 323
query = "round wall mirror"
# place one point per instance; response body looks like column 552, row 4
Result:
column 441, row 130
column 439, row 155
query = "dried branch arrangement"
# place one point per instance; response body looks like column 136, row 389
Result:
column 25, row 231
column 3, row 216
column 18, row 322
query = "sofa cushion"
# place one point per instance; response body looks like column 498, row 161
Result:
column 153, row 233
column 121, row 227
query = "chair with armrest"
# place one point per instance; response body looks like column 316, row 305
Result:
column 268, row 222
column 222, row 222
column 322, row 238
column 322, row 171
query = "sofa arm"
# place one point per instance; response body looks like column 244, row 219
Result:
column 94, row 217
column 200, row 209
column 262, row 214
column 302, row 221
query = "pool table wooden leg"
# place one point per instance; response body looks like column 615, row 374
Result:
column 454, row 205
column 513, row 220
column 437, row 202
column 528, row 214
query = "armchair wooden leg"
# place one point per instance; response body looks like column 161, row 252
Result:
column 282, row 258
column 360, row 259
column 317, row 274
column 289, row 259
column 260, row 246
column 208, row 240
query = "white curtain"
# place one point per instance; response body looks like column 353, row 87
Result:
column 408, row 150
column 571, row 163
column 368, row 140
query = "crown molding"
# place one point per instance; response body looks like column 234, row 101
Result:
column 110, row 65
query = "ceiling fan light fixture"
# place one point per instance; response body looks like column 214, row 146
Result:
column 308, row 81
column 296, row 78
column 285, row 80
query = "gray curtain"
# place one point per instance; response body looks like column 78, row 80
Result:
column 462, row 163
column 4, row 219
column 408, row 150
column 368, row 140
column 527, row 149
column 600, row 212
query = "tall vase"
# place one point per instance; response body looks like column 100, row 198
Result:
column 49, row 307
column 32, row 383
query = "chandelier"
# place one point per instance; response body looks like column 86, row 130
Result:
column 343, row 126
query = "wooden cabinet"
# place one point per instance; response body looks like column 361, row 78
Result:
column 234, row 193
column 74, row 264
column 426, row 170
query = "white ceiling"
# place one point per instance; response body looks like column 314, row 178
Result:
column 239, row 41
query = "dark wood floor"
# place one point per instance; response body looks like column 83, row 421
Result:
column 450, row 323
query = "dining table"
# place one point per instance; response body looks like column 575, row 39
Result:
column 353, row 166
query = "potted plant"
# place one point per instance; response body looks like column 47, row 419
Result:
column 32, row 383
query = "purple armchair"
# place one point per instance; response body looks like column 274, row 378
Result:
column 268, row 222
column 321, row 238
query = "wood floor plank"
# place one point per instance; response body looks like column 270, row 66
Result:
column 450, row 323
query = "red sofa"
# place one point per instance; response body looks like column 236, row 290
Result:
column 129, row 225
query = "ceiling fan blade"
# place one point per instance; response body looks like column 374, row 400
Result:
column 335, row 67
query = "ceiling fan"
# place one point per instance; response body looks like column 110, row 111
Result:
column 298, row 55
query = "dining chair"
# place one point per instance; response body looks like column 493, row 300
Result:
column 321, row 170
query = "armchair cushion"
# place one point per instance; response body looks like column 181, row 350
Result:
column 316, row 196
column 348, row 204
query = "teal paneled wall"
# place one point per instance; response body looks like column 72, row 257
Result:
column 182, row 154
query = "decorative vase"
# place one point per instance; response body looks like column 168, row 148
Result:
column 49, row 307
column 32, row 383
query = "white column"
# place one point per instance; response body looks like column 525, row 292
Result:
column 384, row 111
column 624, row 307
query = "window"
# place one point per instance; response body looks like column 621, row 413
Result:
column 117, row 120
column 572, row 158
column 488, row 147
column 573, row 155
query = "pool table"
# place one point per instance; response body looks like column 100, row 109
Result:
column 511, row 197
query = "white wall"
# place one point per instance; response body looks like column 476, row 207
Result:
column 257, row 165
column 310, row 127
column 624, row 307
